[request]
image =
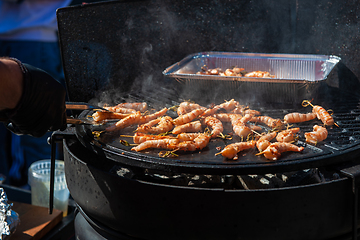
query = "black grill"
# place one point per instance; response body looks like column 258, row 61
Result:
column 122, row 48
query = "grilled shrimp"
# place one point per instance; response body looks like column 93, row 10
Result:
column 321, row 113
column 299, row 117
column 188, row 117
column 255, row 128
column 148, row 118
column 138, row 106
column 215, row 124
column 125, row 122
column 264, row 141
column 198, row 143
column 238, row 70
column 240, row 127
column 228, row 106
column 260, row 74
column 186, row 107
column 164, row 124
column 274, row 150
column 142, row 137
column 227, row 117
column 166, row 143
column 187, row 136
column 144, row 128
column 271, row 122
column 287, row 135
column 230, row 72
column 103, row 115
column 318, row 134
column 188, row 127
column 231, row 151
column 123, row 110
column 245, row 110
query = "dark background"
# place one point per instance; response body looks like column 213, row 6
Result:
column 126, row 45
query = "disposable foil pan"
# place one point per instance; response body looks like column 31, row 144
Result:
column 296, row 76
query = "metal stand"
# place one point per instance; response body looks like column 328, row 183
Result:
column 56, row 137
column 353, row 172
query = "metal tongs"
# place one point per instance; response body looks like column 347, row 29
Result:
column 81, row 106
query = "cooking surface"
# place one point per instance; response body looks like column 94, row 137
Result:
column 341, row 141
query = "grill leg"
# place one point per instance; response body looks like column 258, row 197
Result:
column 354, row 173
column 56, row 137
column 355, row 213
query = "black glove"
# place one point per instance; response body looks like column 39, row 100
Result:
column 41, row 107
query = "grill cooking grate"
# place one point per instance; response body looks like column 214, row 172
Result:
column 346, row 114
column 341, row 145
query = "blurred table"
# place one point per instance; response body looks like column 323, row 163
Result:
column 58, row 229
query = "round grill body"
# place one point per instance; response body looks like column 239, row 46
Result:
column 150, row 210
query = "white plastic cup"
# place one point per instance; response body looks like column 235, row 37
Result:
column 39, row 181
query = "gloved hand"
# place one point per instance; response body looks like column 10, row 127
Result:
column 41, row 107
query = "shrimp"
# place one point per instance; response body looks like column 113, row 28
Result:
column 148, row 118
column 245, row 110
column 228, row 106
column 287, row 135
column 231, row 151
column 239, row 125
column 138, row 106
column 144, row 128
column 321, row 113
column 188, row 127
column 142, row 137
column 234, row 117
column 299, row 117
column 319, row 134
column 270, row 122
column 166, row 143
column 206, row 71
column 255, row 128
column 198, row 143
column 117, row 109
column 187, row 136
column 230, row 72
column 125, row 122
column 274, row 150
column 104, row 115
column 260, row 74
column 164, row 124
column 188, row 117
column 264, row 141
column 238, row 70
column 227, row 117
column 186, row 107
column 215, row 124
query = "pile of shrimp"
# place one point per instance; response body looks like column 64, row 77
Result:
column 234, row 72
column 195, row 126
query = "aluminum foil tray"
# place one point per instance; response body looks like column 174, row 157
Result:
column 296, row 77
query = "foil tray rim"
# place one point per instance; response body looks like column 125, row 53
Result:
column 173, row 70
